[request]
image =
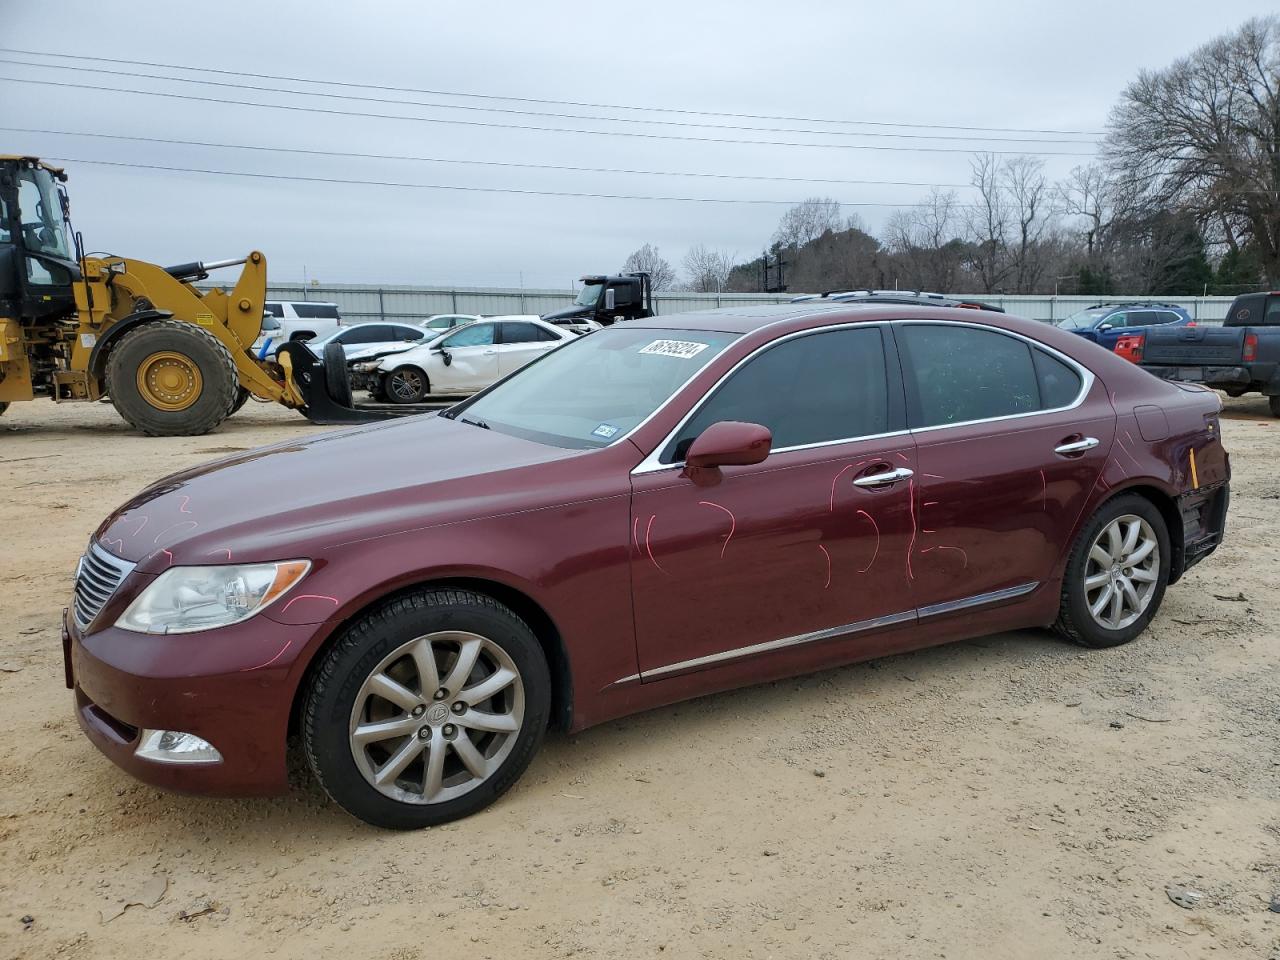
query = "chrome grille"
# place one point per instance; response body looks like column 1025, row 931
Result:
column 97, row 577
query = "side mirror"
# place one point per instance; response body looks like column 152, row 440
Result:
column 730, row 443
column 610, row 298
column 1104, row 327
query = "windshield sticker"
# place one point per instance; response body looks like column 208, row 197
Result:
column 684, row 349
column 606, row 430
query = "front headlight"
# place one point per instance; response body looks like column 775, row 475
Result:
column 186, row 599
column 367, row 367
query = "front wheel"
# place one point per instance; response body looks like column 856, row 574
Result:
column 406, row 385
column 427, row 709
column 1117, row 574
column 171, row 379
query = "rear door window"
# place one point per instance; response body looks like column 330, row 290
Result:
column 958, row 374
column 316, row 311
column 476, row 335
column 520, row 333
column 817, row 388
column 367, row 333
column 1142, row 318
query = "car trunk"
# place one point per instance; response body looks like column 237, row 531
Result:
column 1193, row 345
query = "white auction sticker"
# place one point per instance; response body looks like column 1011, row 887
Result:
column 684, row 349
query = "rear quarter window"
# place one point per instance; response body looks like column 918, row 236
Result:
column 316, row 311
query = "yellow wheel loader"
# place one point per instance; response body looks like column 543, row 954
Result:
column 174, row 360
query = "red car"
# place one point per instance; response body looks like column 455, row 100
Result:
column 665, row 508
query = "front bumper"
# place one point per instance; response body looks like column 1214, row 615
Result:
column 232, row 687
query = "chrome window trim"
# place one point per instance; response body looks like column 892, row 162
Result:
column 1087, row 377
column 858, row 626
column 652, row 463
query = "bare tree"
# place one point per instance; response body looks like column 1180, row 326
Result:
column 707, row 270
column 1203, row 136
column 1088, row 193
column 987, row 224
column 808, row 221
column 924, row 238
column 1027, row 190
column 648, row 260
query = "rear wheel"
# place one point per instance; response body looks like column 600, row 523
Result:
column 406, row 385
column 427, row 709
column 170, row 378
column 1117, row 573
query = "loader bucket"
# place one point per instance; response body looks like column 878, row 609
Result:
column 319, row 378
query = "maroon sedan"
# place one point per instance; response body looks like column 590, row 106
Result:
column 662, row 509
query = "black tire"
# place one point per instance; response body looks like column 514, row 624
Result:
column 1234, row 391
column 1075, row 622
column 337, row 680
column 3, row 408
column 336, row 378
column 1274, row 404
column 219, row 380
column 406, row 385
column 242, row 397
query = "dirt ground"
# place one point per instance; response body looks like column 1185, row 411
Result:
column 1008, row 797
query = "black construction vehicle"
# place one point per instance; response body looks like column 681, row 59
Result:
column 1241, row 356
column 608, row 299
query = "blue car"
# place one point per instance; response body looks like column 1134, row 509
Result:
column 1105, row 323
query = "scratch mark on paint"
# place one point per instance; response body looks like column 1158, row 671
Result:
column 963, row 555
column 169, row 555
column 929, row 503
column 927, row 530
column 189, row 524
column 933, row 476
column 114, row 540
column 635, row 533
column 905, row 458
column 876, row 551
column 831, row 505
column 286, row 646
column 648, row 546
column 140, row 526
column 911, row 494
column 828, row 556
column 733, row 523
column 309, row 596
column 182, row 507
column 226, row 550
column 1044, row 491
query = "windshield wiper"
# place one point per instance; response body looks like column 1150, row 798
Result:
column 475, row 423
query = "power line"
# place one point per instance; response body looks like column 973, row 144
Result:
column 562, row 103
column 486, row 163
column 461, row 188
column 534, row 113
column 327, row 111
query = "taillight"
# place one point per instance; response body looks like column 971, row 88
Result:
column 1130, row 346
column 1250, row 347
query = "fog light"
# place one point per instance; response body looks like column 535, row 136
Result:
column 174, row 746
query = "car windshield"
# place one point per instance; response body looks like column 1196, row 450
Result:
column 593, row 391
column 1085, row 319
column 589, row 295
column 40, row 207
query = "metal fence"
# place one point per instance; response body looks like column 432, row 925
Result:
column 359, row 302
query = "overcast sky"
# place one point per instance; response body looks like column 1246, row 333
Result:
column 1030, row 66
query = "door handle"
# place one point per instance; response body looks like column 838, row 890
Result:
column 490, row 353
column 883, row 479
column 1076, row 446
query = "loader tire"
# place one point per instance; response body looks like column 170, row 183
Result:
column 336, row 378
column 171, row 379
column 242, row 397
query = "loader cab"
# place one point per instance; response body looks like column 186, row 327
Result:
column 37, row 255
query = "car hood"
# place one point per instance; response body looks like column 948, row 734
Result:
column 295, row 499
column 570, row 313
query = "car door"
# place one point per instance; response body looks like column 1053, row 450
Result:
column 808, row 545
column 520, row 342
column 1010, row 437
column 467, row 360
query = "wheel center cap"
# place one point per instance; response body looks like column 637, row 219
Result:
column 437, row 713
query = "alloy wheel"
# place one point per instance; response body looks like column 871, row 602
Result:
column 1122, row 572
column 437, row 717
column 405, row 385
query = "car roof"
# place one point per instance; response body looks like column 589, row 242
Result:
column 747, row 319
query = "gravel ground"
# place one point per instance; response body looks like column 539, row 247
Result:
column 1012, row 796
